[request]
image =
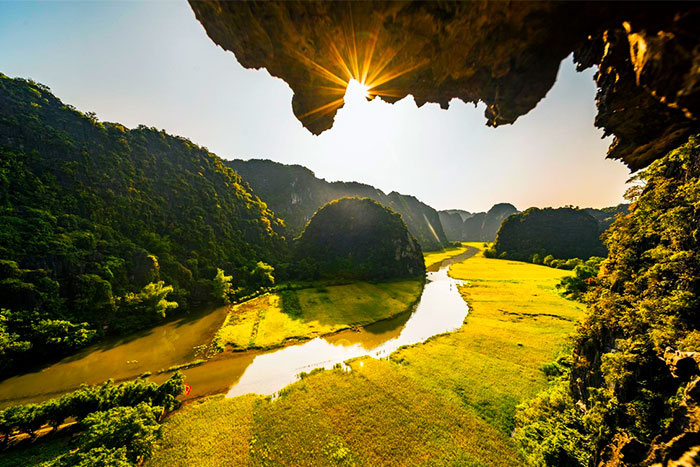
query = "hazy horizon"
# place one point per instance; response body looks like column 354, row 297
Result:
column 152, row 63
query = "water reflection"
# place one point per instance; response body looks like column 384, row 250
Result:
column 120, row 359
column 441, row 309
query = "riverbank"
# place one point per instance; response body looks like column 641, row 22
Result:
column 271, row 320
column 180, row 344
column 449, row 400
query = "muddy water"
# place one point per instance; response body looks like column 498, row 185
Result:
column 153, row 350
column 440, row 309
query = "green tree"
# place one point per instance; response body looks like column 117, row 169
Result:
column 262, row 274
column 96, row 457
column 93, row 298
column 148, row 306
column 135, row 428
column 221, row 287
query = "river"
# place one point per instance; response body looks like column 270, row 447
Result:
column 440, row 309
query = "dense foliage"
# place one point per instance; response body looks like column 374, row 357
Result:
column 104, row 229
column 606, row 216
column 295, row 194
column 118, row 423
column 536, row 233
column 646, row 299
column 585, row 273
column 357, row 238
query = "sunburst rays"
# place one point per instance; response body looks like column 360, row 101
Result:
column 354, row 58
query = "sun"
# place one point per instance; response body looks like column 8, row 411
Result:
column 356, row 92
column 357, row 70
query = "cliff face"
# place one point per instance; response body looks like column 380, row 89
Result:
column 505, row 54
column 294, row 193
column 476, row 227
column 452, row 223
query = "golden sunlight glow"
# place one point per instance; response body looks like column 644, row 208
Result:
column 357, row 69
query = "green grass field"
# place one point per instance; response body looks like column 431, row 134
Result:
column 272, row 319
column 448, row 401
column 437, row 256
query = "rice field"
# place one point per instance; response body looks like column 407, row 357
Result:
column 447, row 401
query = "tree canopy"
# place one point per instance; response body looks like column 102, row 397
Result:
column 105, row 229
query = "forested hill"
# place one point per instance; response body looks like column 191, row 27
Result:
column 373, row 243
column 294, row 193
column 98, row 221
column 563, row 233
column 606, row 216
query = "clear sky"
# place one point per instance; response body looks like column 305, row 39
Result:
column 152, row 63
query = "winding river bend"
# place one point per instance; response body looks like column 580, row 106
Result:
column 440, row 309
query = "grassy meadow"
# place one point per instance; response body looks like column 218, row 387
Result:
column 272, row 319
column 516, row 323
column 447, row 401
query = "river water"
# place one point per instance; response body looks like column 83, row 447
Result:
column 440, row 309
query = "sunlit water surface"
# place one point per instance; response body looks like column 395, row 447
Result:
column 440, row 309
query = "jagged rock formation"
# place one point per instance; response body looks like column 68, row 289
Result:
column 505, row 54
column 373, row 243
column 452, row 222
column 483, row 226
column 294, row 193
column 679, row 443
column 464, row 215
column 462, row 226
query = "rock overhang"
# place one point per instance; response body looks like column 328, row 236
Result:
column 505, row 54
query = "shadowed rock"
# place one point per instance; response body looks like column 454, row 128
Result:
column 505, row 54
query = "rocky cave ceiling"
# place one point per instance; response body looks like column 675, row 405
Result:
column 506, row 54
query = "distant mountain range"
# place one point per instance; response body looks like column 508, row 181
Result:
column 463, row 226
column 294, row 193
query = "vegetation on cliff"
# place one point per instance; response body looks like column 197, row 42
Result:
column 537, row 233
column 105, row 229
column 632, row 365
column 357, row 238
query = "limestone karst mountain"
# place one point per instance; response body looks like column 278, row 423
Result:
column 373, row 243
column 294, row 193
